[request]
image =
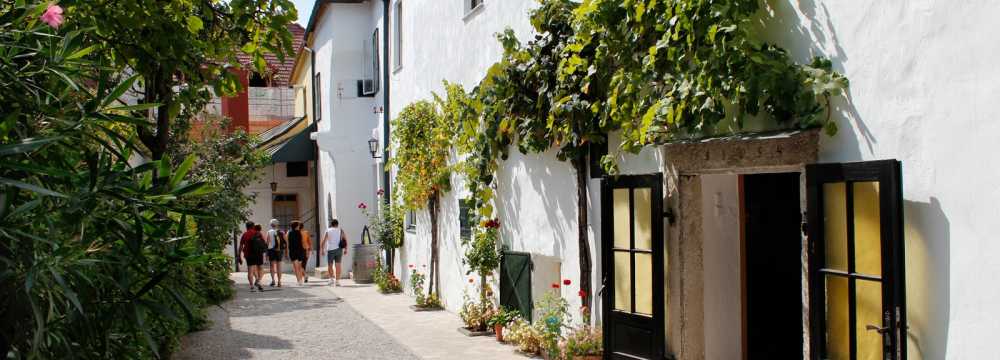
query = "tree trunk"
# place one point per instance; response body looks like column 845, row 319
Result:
column 157, row 90
column 580, row 165
column 435, row 279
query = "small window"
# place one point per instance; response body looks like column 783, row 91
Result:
column 465, row 217
column 411, row 221
column 368, row 85
column 472, row 5
column 318, row 100
column 297, row 169
column 397, row 36
column 257, row 80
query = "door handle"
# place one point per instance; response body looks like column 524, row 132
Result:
column 880, row 330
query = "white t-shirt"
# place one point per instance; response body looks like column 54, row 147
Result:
column 332, row 239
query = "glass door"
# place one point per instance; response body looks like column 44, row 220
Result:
column 632, row 263
column 857, row 282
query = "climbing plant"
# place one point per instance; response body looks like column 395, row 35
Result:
column 422, row 147
column 653, row 71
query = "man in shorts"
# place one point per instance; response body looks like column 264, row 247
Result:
column 335, row 244
column 277, row 247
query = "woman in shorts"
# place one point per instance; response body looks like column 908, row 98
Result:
column 277, row 247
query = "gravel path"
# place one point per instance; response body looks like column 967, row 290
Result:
column 307, row 322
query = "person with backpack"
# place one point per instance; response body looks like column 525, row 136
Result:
column 255, row 260
column 334, row 253
column 277, row 247
column 244, row 251
column 298, row 250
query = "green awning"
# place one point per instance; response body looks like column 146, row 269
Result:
column 297, row 148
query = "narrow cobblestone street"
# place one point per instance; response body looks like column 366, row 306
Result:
column 308, row 322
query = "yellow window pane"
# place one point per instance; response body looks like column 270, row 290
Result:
column 643, row 223
column 621, row 215
column 869, row 312
column 835, row 225
column 644, row 283
column 837, row 321
column 867, row 229
column 623, row 281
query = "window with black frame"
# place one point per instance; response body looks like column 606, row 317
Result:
column 465, row 217
column 318, row 99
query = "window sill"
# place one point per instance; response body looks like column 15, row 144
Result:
column 471, row 13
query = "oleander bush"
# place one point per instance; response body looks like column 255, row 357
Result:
column 106, row 252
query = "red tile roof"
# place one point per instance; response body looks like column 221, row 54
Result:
column 280, row 71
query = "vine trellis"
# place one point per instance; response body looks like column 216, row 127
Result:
column 652, row 70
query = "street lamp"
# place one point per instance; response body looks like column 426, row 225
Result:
column 373, row 148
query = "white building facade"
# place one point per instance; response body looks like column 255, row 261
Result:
column 921, row 86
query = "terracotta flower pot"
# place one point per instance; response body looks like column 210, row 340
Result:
column 498, row 330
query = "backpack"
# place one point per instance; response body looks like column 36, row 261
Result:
column 282, row 242
column 257, row 243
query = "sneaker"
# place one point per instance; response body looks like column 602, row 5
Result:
column 260, row 288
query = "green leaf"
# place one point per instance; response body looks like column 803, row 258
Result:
column 119, row 90
column 194, row 24
column 182, row 171
column 26, row 145
column 82, row 52
column 30, row 187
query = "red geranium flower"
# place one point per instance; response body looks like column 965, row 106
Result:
column 380, row 192
column 362, row 205
column 567, row 282
column 583, row 294
column 411, row 266
column 555, row 285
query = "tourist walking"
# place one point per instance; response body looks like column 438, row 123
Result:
column 277, row 249
column 335, row 244
column 246, row 250
column 258, row 250
column 298, row 250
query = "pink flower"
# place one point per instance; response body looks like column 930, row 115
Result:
column 380, row 192
column 411, row 266
column 53, row 16
column 362, row 205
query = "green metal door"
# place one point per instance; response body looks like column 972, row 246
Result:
column 515, row 282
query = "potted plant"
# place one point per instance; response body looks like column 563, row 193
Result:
column 500, row 319
column 584, row 342
column 475, row 315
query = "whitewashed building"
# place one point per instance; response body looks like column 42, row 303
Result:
column 701, row 249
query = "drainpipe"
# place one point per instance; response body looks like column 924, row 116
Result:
column 385, row 111
column 316, row 197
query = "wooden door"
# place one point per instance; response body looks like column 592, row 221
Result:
column 632, row 256
column 857, row 283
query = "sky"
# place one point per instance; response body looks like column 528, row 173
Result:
column 305, row 8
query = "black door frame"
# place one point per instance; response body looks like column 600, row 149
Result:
column 888, row 174
column 608, row 184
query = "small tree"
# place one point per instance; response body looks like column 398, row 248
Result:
column 423, row 147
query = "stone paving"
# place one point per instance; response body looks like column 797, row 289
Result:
column 429, row 334
column 318, row 321
column 308, row 322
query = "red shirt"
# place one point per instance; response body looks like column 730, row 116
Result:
column 245, row 241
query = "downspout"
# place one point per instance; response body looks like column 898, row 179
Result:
column 312, row 80
column 385, row 115
column 385, row 100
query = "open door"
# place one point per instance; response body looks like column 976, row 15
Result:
column 857, row 282
column 632, row 266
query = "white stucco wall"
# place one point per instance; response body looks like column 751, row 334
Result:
column 923, row 89
column 346, row 167
column 721, row 254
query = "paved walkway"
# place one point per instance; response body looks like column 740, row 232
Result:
column 429, row 334
column 308, row 322
column 322, row 322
